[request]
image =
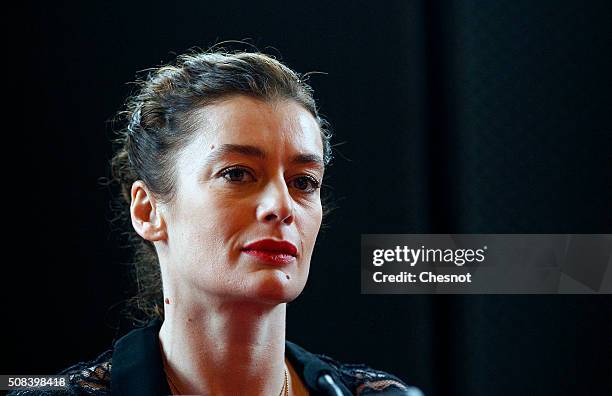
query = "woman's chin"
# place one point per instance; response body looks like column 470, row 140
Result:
column 275, row 286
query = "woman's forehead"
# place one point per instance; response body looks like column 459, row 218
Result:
column 249, row 121
column 243, row 127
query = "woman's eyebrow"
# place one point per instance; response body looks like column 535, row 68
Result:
column 254, row 151
column 225, row 149
column 308, row 159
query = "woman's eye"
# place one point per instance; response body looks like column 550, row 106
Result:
column 305, row 183
column 237, row 175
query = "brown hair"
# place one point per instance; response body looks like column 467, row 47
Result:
column 157, row 123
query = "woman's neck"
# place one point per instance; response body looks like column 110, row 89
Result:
column 229, row 348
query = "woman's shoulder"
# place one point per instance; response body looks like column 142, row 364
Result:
column 365, row 380
column 358, row 379
column 90, row 378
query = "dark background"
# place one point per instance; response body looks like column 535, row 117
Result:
column 456, row 116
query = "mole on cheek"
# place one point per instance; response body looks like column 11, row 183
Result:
column 212, row 147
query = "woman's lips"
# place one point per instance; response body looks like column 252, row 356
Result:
column 272, row 251
column 271, row 257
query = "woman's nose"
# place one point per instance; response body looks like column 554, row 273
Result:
column 276, row 204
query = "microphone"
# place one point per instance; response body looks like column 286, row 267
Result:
column 318, row 376
column 326, row 382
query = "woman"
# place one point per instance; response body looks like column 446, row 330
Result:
column 221, row 163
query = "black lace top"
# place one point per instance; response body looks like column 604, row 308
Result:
column 134, row 367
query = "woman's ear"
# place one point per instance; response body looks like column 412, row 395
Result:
column 146, row 219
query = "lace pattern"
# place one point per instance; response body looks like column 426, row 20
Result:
column 85, row 378
column 93, row 379
column 363, row 380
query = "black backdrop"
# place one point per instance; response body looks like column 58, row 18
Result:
column 457, row 116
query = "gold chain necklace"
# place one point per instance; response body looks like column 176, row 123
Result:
column 284, row 389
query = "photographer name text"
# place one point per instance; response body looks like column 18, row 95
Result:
column 411, row 257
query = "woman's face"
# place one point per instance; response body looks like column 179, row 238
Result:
column 247, row 209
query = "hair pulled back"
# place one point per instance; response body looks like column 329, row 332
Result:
column 160, row 119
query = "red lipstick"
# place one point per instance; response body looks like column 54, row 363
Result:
column 271, row 251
